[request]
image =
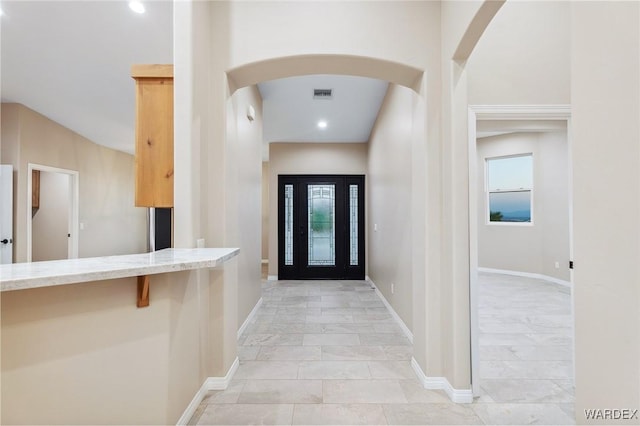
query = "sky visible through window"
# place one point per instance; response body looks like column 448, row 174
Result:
column 510, row 173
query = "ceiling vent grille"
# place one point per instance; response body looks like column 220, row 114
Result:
column 322, row 93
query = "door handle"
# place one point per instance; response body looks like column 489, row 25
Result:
column 5, row 241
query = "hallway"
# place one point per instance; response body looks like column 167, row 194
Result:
column 329, row 352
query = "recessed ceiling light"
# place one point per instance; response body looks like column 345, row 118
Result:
column 136, row 6
column 322, row 124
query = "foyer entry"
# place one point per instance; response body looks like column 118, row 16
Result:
column 321, row 227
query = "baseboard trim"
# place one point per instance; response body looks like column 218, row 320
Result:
column 527, row 275
column 193, row 405
column 247, row 321
column 221, row 383
column 272, row 278
column 392, row 311
column 459, row 396
column 211, row 383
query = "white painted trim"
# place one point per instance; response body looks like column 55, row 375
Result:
column 247, row 321
column 272, row 278
column 459, row 396
column 527, row 275
column 265, row 261
column 571, row 276
column 473, row 257
column 211, row 383
column 392, row 311
column 521, row 112
column 193, row 405
column 221, row 383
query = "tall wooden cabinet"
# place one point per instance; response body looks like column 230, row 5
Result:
column 154, row 135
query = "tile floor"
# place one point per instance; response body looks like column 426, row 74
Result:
column 526, row 351
column 329, row 352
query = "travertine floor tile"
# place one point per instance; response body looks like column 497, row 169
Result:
column 416, row 393
column 227, row 396
column 522, row 414
column 353, row 353
column 363, row 391
column 386, row 339
column 521, row 390
column 331, row 339
column 334, row 370
column 267, row 370
column 247, row 414
column 289, row 353
column 391, row 370
column 281, row 391
column 273, row 340
column 431, row 414
column 329, row 352
column 338, row 414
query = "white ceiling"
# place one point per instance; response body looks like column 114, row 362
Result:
column 291, row 114
column 71, row 61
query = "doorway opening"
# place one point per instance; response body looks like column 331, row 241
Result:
column 52, row 213
column 321, row 227
column 521, row 128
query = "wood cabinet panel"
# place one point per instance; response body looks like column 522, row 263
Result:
column 154, row 135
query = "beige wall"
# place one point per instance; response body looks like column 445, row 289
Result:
column 389, row 191
column 309, row 159
column 200, row 211
column 355, row 29
column 106, row 206
column 265, row 210
column 50, row 224
column 243, row 198
column 525, row 39
column 9, row 152
column 529, row 248
column 444, row 308
column 605, row 130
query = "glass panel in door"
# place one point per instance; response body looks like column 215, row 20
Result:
column 321, row 235
column 288, row 225
column 353, row 225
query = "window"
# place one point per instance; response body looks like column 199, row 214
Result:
column 509, row 189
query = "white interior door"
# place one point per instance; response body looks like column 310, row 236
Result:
column 6, row 214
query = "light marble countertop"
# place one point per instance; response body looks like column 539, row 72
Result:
column 22, row 276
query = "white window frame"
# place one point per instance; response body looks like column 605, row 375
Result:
column 488, row 192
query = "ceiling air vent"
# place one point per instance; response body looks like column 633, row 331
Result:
column 322, row 93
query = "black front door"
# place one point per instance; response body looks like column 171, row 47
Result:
column 321, row 227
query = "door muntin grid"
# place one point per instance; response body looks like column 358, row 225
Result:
column 288, row 225
column 321, row 218
column 353, row 225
